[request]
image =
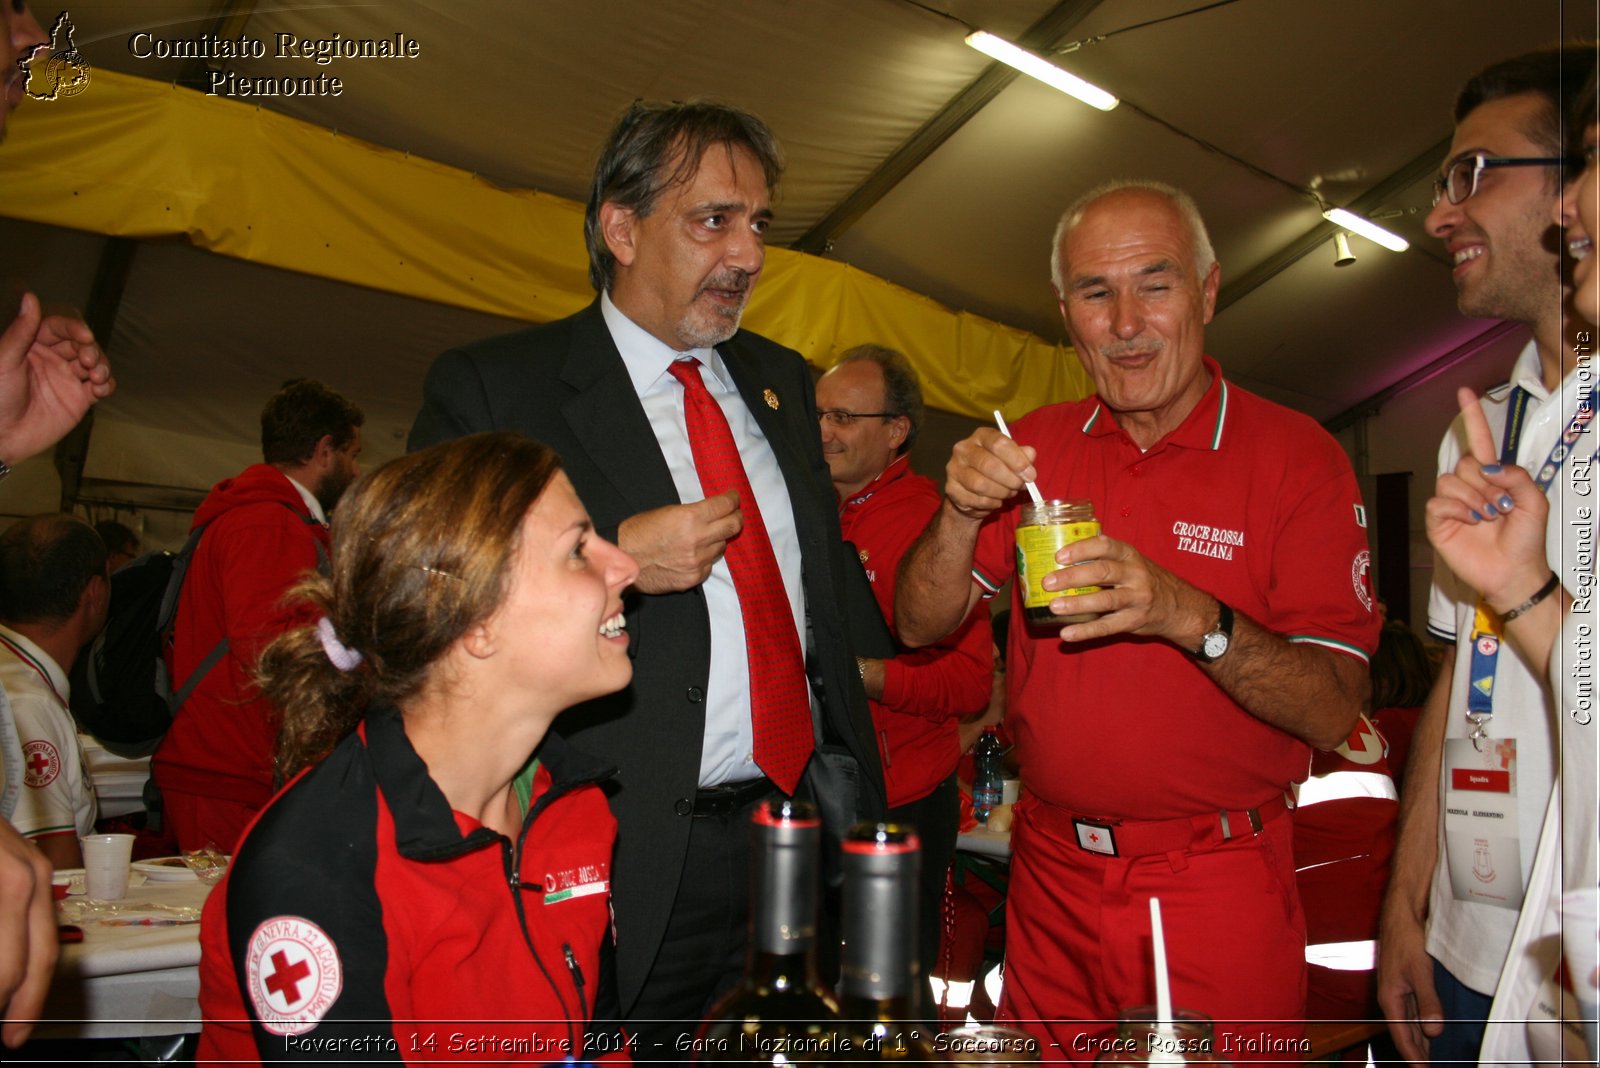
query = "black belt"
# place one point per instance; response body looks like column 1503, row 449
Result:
column 730, row 798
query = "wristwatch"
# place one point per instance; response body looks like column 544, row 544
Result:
column 1215, row 642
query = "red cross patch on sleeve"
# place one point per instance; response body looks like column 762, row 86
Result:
column 293, row 973
column 41, row 763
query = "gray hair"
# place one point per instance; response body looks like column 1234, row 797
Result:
column 902, row 392
column 1204, row 257
column 657, row 146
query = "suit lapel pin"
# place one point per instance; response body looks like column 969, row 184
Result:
column 772, row 399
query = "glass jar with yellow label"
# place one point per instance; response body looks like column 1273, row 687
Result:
column 1045, row 529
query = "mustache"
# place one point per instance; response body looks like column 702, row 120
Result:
column 734, row 278
column 1132, row 348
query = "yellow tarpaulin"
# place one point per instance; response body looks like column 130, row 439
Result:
column 135, row 158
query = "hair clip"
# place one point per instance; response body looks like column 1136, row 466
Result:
column 340, row 655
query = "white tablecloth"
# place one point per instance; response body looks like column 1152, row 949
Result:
column 989, row 843
column 123, row 982
column 118, row 781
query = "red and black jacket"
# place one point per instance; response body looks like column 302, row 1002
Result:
column 363, row 916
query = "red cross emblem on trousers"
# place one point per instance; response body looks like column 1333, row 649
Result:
column 1095, row 838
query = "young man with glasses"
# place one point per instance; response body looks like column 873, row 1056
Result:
column 869, row 408
column 1454, row 891
column 1460, row 179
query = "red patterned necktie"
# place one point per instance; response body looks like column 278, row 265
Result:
column 780, row 704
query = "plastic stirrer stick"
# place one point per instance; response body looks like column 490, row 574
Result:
column 1033, row 490
column 1163, row 983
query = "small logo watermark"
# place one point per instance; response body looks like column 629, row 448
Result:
column 57, row 70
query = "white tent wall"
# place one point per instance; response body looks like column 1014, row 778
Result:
column 1404, row 436
column 31, row 488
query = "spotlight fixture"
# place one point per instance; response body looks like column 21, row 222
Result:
column 1366, row 228
column 1342, row 256
column 1036, row 67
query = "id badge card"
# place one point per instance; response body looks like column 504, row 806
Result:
column 1481, row 834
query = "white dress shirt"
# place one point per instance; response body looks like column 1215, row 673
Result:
column 313, row 505
column 726, row 753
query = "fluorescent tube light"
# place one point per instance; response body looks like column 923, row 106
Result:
column 1367, row 229
column 1045, row 71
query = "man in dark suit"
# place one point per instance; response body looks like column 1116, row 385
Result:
column 676, row 217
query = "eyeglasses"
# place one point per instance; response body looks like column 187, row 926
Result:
column 1460, row 179
column 839, row 419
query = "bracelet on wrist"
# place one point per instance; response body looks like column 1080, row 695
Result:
column 1544, row 591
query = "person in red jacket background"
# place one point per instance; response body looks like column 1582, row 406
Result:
column 1344, row 833
column 870, row 409
column 265, row 527
column 436, row 884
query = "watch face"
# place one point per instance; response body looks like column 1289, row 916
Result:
column 1215, row 644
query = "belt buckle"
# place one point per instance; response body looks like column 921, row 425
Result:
column 1251, row 814
column 1096, row 837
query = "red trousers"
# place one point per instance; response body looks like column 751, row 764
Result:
column 1078, row 945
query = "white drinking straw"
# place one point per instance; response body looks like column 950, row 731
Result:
column 1163, row 984
column 1033, row 490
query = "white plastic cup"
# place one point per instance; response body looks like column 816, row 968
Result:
column 1011, row 788
column 106, row 858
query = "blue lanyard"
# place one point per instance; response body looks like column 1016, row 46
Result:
column 1513, row 430
column 1565, row 443
column 1559, row 452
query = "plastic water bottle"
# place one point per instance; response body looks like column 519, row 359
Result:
column 988, row 780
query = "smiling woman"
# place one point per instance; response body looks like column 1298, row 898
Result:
column 1578, row 213
column 433, row 825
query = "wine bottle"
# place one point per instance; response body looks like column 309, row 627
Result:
column 781, row 1013
column 879, row 974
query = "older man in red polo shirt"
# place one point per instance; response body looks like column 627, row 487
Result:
column 1230, row 631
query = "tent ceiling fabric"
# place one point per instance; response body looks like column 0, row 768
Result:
column 1333, row 95
column 347, row 211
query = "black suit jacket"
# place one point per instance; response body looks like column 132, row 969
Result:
column 565, row 384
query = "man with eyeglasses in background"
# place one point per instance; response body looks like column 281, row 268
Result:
column 1454, row 891
column 869, row 407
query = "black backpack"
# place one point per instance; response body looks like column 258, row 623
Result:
column 120, row 690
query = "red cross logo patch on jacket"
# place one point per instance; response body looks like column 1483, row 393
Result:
column 293, row 974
